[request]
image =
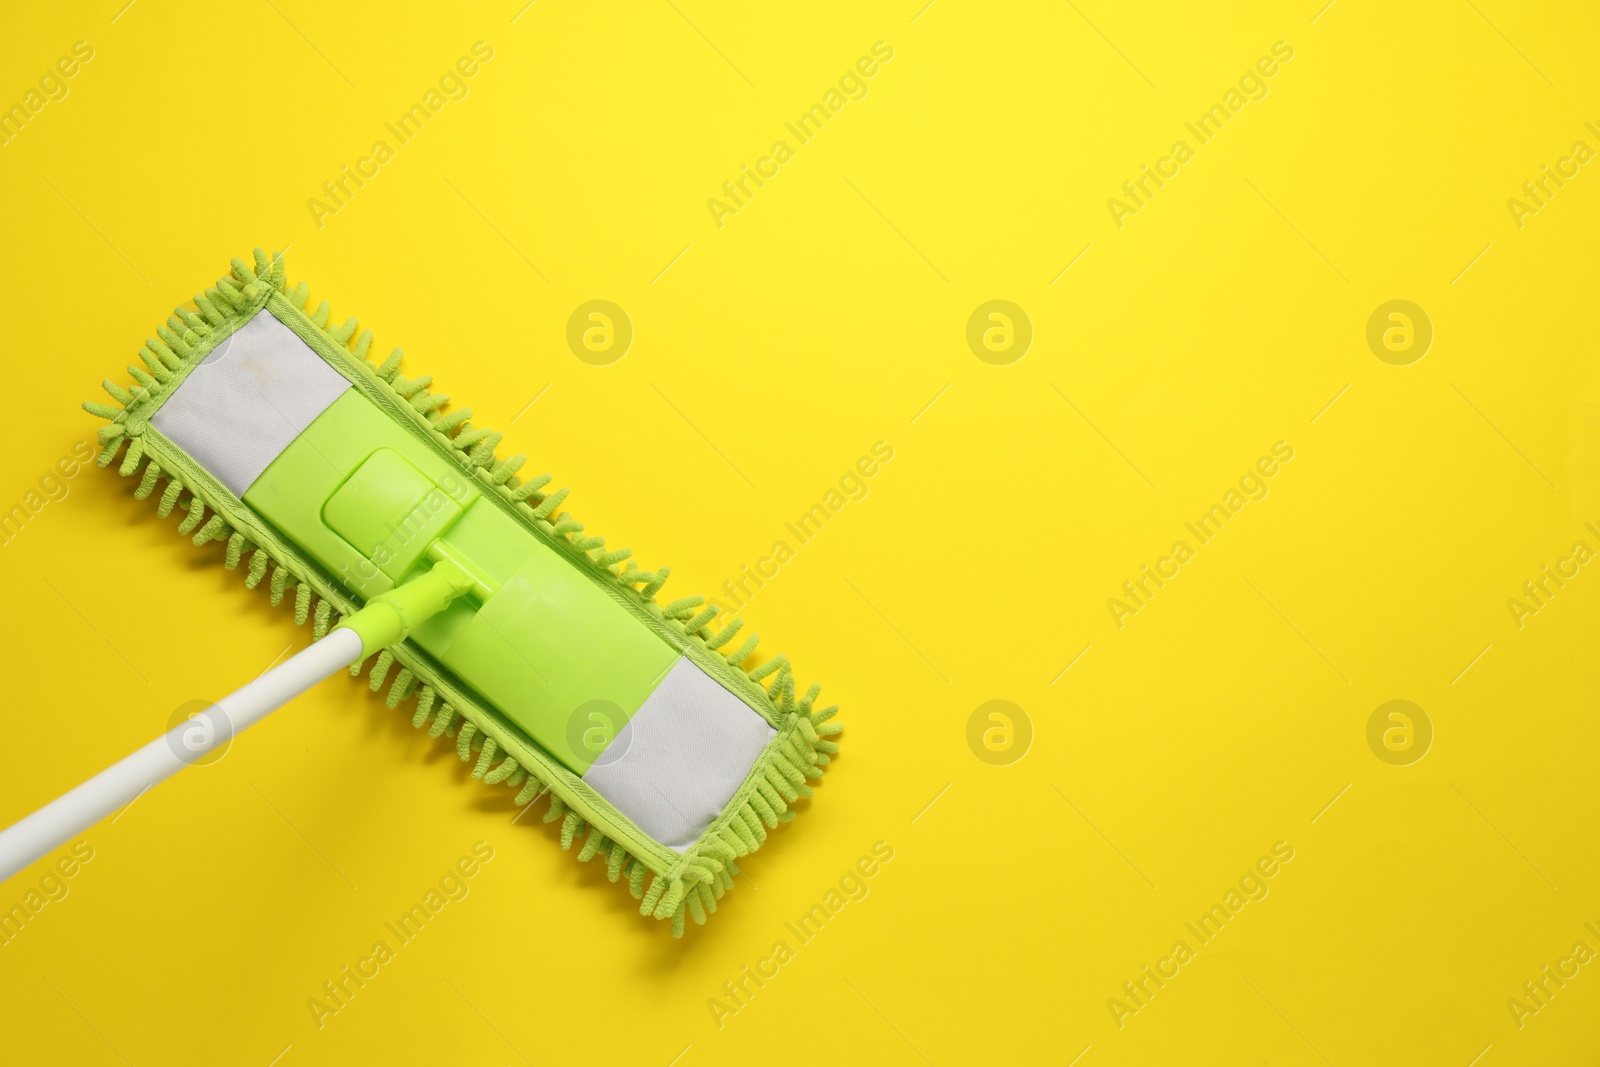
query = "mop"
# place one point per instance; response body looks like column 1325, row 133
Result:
column 422, row 557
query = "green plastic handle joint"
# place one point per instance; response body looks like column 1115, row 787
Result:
column 388, row 617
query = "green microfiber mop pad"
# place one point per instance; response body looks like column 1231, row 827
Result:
column 387, row 436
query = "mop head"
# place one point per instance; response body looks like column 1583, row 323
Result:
column 666, row 750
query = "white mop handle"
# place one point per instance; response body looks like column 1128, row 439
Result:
column 124, row 781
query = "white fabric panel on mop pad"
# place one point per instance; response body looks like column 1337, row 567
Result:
column 679, row 760
column 247, row 400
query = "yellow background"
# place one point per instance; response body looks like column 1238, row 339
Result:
column 824, row 316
